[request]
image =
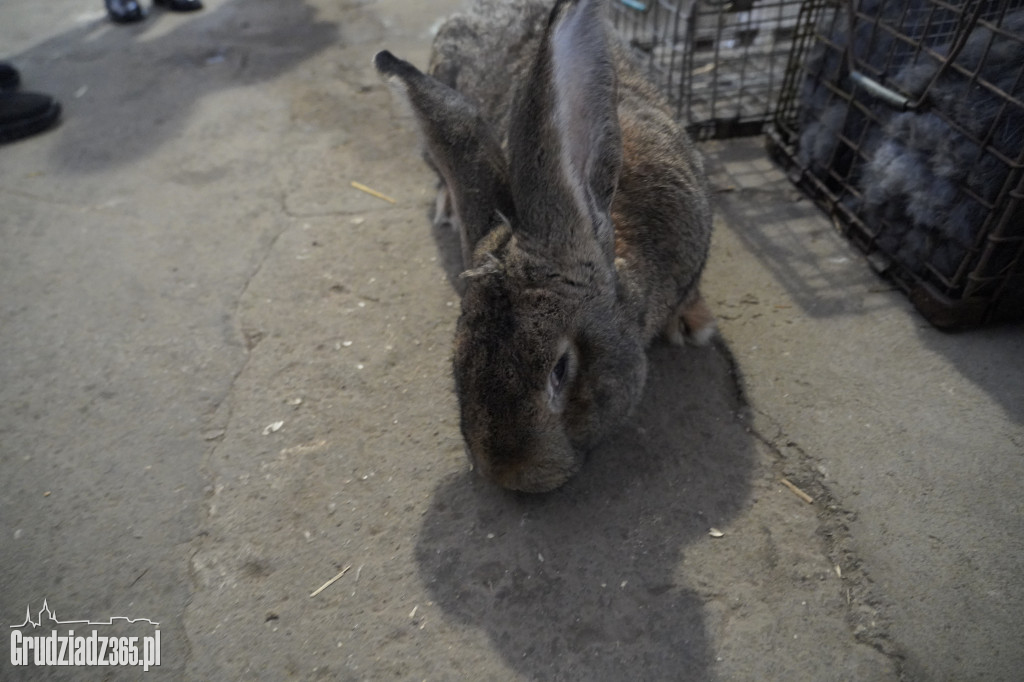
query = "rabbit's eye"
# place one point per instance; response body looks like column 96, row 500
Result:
column 559, row 371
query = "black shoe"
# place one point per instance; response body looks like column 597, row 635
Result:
column 124, row 11
column 10, row 79
column 26, row 113
column 180, row 5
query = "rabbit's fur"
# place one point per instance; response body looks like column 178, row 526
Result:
column 585, row 225
column 922, row 183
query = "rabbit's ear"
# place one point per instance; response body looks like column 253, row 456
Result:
column 462, row 147
column 565, row 147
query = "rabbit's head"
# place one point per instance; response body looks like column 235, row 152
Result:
column 547, row 357
column 545, row 362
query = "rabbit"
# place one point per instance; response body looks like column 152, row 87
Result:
column 922, row 181
column 585, row 224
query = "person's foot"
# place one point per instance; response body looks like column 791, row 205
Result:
column 9, row 77
column 26, row 113
column 124, row 11
column 180, row 5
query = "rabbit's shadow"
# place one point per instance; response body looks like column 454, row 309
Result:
column 585, row 582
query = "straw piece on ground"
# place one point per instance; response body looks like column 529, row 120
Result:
column 372, row 192
column 796, row 491
column 330, row 582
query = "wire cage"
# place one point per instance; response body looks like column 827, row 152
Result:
column 721, row 62
column 905, row 120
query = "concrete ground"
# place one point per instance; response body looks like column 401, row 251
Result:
column 224, row 381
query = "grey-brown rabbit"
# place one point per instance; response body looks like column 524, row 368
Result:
column 585, row 226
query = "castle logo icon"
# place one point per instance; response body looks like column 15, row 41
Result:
column 51, row 617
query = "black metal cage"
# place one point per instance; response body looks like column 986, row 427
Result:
column 721, row 62
column 905, row 120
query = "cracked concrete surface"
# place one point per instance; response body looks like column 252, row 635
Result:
column 914, row 436
column 185, row 264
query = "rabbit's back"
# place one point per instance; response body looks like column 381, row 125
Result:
column 661, row 210
column 486, row 51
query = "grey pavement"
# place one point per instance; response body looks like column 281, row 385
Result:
column 224, row 381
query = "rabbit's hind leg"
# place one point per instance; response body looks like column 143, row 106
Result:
column 692, row 321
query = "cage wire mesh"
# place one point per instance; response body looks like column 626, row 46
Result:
column 720, row 62
column 905, row 119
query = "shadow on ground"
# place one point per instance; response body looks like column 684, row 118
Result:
column 156, row 81
column 989, row 358
column 828, row 278
column 584, row 583
column 785, row 231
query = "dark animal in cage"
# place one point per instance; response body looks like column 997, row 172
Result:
column 925, row 180
column 832, row 108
